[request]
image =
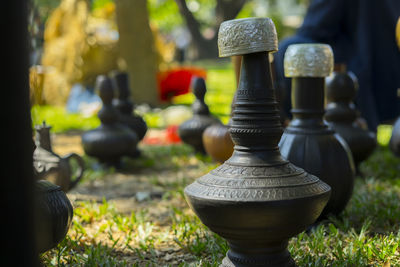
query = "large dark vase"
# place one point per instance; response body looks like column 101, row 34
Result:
column 126, row 107
column 342, row 115
column 54, row 214
column 50, row 166
column 308, row 142
column 111, row 140
column 256, row 200
column 191, row 131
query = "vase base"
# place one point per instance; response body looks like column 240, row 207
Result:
column 281, row 259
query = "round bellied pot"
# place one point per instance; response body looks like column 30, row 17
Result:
column 251, row 200
column 111, row 140
column 191, row 131
column 50, row 166
column 53, row 215
column 308, row 142
column 126, row 107
column 343, row 117
column 217, row 140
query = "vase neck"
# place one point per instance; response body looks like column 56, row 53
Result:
column 43, row 139
column 308, row 102
column 255, row 124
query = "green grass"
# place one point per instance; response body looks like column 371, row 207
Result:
column 60, row 120
column 367, row 233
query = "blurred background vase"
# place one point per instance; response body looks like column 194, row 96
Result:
column 342, row 115
column 125, row 107
column 191, row 131
column 111, row 140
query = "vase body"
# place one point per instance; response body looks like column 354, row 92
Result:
column 343, row 117
column 394, row 143
column 308, row 143
column 191, row 131
column 218, row 142
column 111, row 140
column 52, row 167
column 54, row 214
column 252, row 198
column 125, row 106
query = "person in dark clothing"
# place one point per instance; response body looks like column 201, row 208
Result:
column 362, row 36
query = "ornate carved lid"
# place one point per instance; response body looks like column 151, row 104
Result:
column 308, row 60
column 244, row 36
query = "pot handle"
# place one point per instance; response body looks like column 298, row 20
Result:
column 79, row 173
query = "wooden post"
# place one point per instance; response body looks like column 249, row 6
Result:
column 17, row 169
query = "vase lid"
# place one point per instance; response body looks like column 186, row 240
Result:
column 308, row 60
column 245, row 36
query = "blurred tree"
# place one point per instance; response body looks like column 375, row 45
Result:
column 136, row 47
column 224, row 10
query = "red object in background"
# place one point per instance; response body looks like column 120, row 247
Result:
column 171, row 134
column 166, row 136
column 177, row 81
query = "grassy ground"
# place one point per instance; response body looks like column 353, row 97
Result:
column 138, row 216
column 112, row 226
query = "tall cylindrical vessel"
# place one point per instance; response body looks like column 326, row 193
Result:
column 308, row 142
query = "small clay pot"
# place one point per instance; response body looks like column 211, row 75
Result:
column 54, row 214
column 218, row 142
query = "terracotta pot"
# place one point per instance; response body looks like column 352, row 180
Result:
column 218, row 142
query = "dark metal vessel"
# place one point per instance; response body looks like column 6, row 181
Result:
column 342, row 115
column 111, row 140
column 256, row 200
column 54, row 214
column 126, row 107
column 191, row 131
column 50, row 166
column 308, row 142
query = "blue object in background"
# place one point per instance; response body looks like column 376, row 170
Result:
column 80, row 94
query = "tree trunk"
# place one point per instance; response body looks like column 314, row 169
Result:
column 224, row 10
column 136, row 46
